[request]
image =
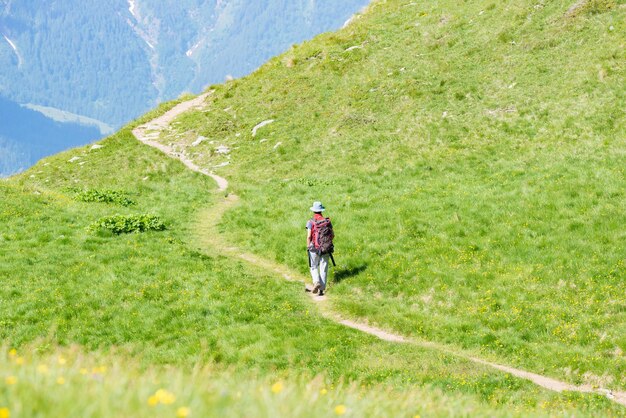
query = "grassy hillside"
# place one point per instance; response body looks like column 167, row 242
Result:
column 472, row 158
column 158, row 299
column 478, row 202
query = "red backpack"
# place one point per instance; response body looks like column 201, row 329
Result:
column 322, row 236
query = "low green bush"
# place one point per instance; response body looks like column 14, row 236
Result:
column 104, row 196
column 123, row 224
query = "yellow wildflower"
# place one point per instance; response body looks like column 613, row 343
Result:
column 83, row 371
column 42, row 368
column 99, row 370
column 19, row 361
column 340, row 409
column 60, row 381
column 324, row 391
column 5, row 413
column 165, row 397
column 12, row 353
column 162, row 396
column 277, row 387
column 183, row 412
column 10, row 380
column 61, row 360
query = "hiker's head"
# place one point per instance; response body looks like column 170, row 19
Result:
column 317, row 207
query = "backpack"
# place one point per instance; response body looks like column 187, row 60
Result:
column 322, row 236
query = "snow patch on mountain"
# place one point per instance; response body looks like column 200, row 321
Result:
column 132, row 9
column 142, row 34
column 17, row 52
column 148, row 28
column 10, row 43
column 193, row 49
column 148, row 36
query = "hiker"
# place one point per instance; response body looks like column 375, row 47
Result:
column 319, row 244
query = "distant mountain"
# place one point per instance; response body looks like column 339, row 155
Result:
column 27, row 136
column 114, row 60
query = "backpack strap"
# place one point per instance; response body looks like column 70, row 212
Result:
column 315, row 234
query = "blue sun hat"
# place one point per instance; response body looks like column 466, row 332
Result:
column 317, row 207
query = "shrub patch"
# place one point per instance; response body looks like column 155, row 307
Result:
column 123, row 224
column 104, row 196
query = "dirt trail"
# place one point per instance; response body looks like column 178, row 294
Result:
column 207, row 234
column 149, row 132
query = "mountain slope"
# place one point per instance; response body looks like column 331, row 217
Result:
column 477, row 201
column 165, row 298
column 472, row 159
column 113, row 61
column 77, row 55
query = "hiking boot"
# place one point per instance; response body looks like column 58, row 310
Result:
column 321, row 293
column 316, row 289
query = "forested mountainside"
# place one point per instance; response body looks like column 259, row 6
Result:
column 114, row 60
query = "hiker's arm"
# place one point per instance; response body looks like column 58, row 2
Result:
column 308, row 238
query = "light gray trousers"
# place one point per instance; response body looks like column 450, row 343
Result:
column 319, row 269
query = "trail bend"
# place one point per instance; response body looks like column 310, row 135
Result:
column 149, row 132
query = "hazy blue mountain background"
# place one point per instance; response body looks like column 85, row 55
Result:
column 38, row 136
column 113, row 60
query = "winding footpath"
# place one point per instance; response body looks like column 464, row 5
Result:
column 150, row 131
column 206, row 233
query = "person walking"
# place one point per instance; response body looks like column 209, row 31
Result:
column 319, row 243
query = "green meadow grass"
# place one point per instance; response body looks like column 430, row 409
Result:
column 69, row 382
column 471, row 156
column 156, row 298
